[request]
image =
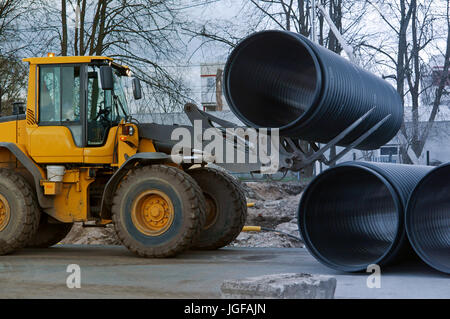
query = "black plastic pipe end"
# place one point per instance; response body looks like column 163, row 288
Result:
column 428, row 218
column 272, row 78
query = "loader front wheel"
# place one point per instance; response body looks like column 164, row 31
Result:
column 226, row 207
column 158, row 211
column 49, row 234
column 19, row 213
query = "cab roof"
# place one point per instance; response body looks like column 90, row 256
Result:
column 72, row 59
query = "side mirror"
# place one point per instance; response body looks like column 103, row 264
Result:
column 106, row 78
column 137, row 90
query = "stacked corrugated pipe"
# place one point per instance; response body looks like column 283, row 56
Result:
column 356, row 213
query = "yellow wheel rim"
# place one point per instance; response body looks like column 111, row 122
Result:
column 152, row 213
column 211, row 211
column 5, row 212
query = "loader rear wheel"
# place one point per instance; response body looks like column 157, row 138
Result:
column 226, row 207
column 49, row 234
column 158, row 211
column 19, row 213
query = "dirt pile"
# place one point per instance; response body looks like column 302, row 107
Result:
column 275, row 207
column 80, row 235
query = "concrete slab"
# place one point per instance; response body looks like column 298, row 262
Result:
column 280, row 286
column 114, row 272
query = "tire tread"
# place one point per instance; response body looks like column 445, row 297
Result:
column 196, row 216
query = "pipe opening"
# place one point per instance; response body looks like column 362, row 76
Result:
column 349, row 218
column 272, row 80
column 428, row 219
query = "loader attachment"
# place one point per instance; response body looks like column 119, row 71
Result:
column 243, row 149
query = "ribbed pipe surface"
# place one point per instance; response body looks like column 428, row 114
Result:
column 428, row 218
column 352, row 215
column 280, row 79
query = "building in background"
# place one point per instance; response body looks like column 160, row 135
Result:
column 212, row 97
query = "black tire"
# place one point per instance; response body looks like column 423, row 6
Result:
column 183, row 195
column 24, row 214
column 49, row 234
column 224, row 195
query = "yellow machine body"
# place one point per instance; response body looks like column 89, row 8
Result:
column 38, row 144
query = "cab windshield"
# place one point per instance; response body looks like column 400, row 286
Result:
column 105, row 108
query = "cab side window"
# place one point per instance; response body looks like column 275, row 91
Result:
column 70, row 93
column 59, row 98
column 49, row 94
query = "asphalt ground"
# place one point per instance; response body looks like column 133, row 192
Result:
column 114, row 272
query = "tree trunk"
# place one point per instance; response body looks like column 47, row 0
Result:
column 82, row 19
column 64, row 28
column 101, row 31
column 219, row 77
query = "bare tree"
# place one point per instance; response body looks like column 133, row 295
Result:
column 12, row 79
column 442, row 83
column 143, row 34
column 412, row 23
column 12, row 82
column 255, row 14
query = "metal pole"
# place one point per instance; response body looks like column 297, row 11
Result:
column 347, row 48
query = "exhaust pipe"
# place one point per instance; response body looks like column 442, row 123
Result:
column 352, row 215
column 428, row 218
column 280, row 79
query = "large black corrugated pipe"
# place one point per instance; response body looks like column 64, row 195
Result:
column 352, row 215
column 280, row 79
column 428, row 218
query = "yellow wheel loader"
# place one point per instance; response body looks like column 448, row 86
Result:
column 76, row 155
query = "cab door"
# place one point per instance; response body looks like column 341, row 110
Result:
column 59, row 135
column 101, row 121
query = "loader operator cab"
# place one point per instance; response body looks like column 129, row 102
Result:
column 62, row 94
column 80, row 99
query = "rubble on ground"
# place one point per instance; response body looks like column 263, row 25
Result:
column 80, row 235
column 275, row 207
